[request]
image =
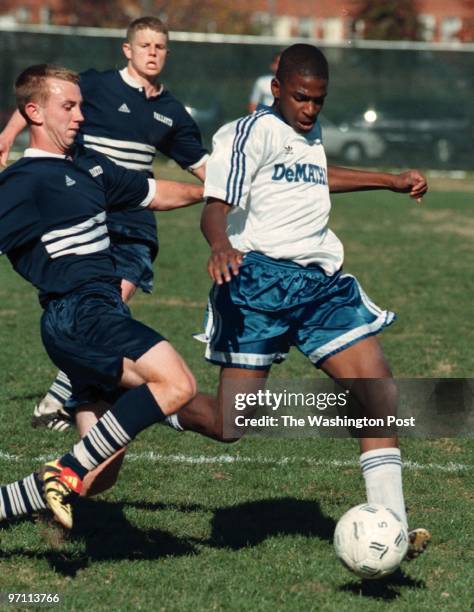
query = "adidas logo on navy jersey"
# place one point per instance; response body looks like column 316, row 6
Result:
column 163, row 119
column 124, row 108
column 69, row 181
column 306, row 173
column 96, row 171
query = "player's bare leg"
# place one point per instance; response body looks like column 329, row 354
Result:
column 128, row 290
column 160, row 383
column 105, row 475
column 364, row 363
column 206, row 414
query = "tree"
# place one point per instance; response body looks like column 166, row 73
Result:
column 388, row 19
column 206, row 16
column 98, row 13
column 185, row 15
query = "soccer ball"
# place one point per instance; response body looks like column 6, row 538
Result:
column 370, row 540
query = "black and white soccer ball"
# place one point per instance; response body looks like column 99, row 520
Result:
column 371, row 540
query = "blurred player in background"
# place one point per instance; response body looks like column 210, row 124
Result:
column 277, row 269
column 53, row 228
column 128, row 116
column 262, row 89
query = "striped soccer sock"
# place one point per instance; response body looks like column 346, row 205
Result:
column 382, row 471
column 21, row 498
column 136, row 410
column 61, row 388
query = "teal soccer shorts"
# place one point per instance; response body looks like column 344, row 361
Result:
column 274, row 304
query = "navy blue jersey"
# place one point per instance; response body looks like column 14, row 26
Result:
column 122, row 123
column 53, row 213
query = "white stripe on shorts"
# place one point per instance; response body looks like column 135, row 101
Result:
column 350, row 336
column 243, row 359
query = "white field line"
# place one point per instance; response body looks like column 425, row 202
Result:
column 257, row 460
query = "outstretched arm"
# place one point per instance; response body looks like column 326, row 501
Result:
column 173, row 194
column 15, row 125
column 224, row 259
column 345, row 179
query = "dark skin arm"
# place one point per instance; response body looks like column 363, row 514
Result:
column 224, row 260
column 345, row 179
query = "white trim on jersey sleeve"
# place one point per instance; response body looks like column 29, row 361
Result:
column 199, row 163
column 235, row 158
column 151, row 193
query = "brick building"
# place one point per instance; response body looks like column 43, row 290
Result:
column 328, row 20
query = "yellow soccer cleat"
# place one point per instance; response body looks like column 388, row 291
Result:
column 418, row 540
column 60, row 486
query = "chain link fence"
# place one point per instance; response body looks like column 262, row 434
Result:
column 386, row 106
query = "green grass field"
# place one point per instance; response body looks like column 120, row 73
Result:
column 195, row 525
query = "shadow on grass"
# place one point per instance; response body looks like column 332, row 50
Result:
column 386, row 589
column 103, row 534
column 251, row 523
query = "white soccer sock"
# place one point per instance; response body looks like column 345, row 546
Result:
column 382, row 471
column 173, row 421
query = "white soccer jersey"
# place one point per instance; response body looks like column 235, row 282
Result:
column 262, row 90
column 277, row 181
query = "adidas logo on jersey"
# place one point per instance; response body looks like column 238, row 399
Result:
column 163, row 119
column 124, row 108
column 96, row 171
column 69, row 181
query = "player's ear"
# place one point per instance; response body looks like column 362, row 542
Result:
column 275, row 87
column 34, row 112
column 127, row 51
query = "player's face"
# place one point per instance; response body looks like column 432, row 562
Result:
column 60, row 115
column 299, row 100
column 146, row 53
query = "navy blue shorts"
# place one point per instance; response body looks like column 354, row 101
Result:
column 88, row 333
column 274, row 304
column 133, row 262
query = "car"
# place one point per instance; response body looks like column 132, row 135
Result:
column 349, row 143
column 420, row 134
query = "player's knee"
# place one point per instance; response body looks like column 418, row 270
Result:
column 184, row 389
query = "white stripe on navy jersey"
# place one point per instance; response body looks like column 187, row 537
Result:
column 66, row 241
column 145, row 158
column 125, row 164
column 86, row 249
column 53, row 248
column 119, row 144
column 74, row 229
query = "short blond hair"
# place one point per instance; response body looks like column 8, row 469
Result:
column 31, row 85
column 146, row 23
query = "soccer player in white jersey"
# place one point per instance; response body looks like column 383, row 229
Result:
column 262, row 88
column 276, row 267
column 129, row 116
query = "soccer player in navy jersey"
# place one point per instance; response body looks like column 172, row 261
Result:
column 53, row 228
column 128, row 116
column 277, row 270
